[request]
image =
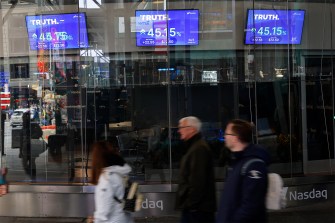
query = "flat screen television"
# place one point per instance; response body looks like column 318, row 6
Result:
column 271, row 26
column 57, row 31
column 170, row 27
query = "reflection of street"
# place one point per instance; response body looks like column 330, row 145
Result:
column 46, row 167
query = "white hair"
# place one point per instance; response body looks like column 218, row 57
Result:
column 192, row 121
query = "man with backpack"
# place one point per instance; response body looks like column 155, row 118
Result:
column 245, row 187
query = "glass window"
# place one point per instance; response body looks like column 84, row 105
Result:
column 127, row 71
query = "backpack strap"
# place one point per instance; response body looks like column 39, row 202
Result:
column 247, row 164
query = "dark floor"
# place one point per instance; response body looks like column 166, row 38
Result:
column 315, row 213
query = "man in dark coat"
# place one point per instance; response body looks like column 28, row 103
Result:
column 196, row 189
column 244, row 192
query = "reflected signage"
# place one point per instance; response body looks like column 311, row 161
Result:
column 274, row 26
column 209, row 76
column 171, row 27
column 58, row 31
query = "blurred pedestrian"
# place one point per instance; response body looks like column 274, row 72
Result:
column 110, row 173
column 196, row 189
column 3, row 182
column 243, row 197
column 27, row 155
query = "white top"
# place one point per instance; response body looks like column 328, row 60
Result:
column 110, row 184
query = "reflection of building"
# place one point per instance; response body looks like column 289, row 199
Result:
column 116, row 88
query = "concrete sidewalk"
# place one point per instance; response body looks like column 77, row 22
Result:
column 323, row 212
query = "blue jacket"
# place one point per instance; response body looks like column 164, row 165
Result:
column 243, row 196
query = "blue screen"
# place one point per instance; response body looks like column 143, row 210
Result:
column 274, row 26
column 59, row 31
column 172, row 27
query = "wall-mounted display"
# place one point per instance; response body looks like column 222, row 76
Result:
column 208, row 76
column 57, row 31
column 171, row 27
column 271, row 26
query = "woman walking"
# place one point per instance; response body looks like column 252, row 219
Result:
column 110, row 172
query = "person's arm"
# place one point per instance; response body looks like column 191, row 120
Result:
column 200, row 163
column 253, row 192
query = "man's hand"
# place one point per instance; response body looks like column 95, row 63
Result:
column 90, row 219
column 3, row 183
column 3, row 189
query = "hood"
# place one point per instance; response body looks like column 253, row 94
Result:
column 257, row 151
column 122, row 170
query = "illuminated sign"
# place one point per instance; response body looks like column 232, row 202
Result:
column 171, row 27
column 59, row 31
column 209, row 76
column 274, row 26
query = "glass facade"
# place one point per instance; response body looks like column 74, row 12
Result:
column 74, row 72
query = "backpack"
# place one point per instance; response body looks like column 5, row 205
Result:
column 275, row 197
column 35, row 131
column 132, row 199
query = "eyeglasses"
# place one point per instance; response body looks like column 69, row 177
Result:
column 230, row 134
column 182, row 127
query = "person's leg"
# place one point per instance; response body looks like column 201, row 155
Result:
column 185, row 217
column 202, row 217
column 208, row 217
column 33, row 167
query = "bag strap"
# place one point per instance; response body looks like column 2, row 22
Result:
column 247, row 164
column 118, row 200
column 125, row 181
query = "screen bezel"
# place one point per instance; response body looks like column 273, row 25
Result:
column 70, row 48
column 167, row 45
column 255, row 43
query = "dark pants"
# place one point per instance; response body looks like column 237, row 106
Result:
column 197, row 217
